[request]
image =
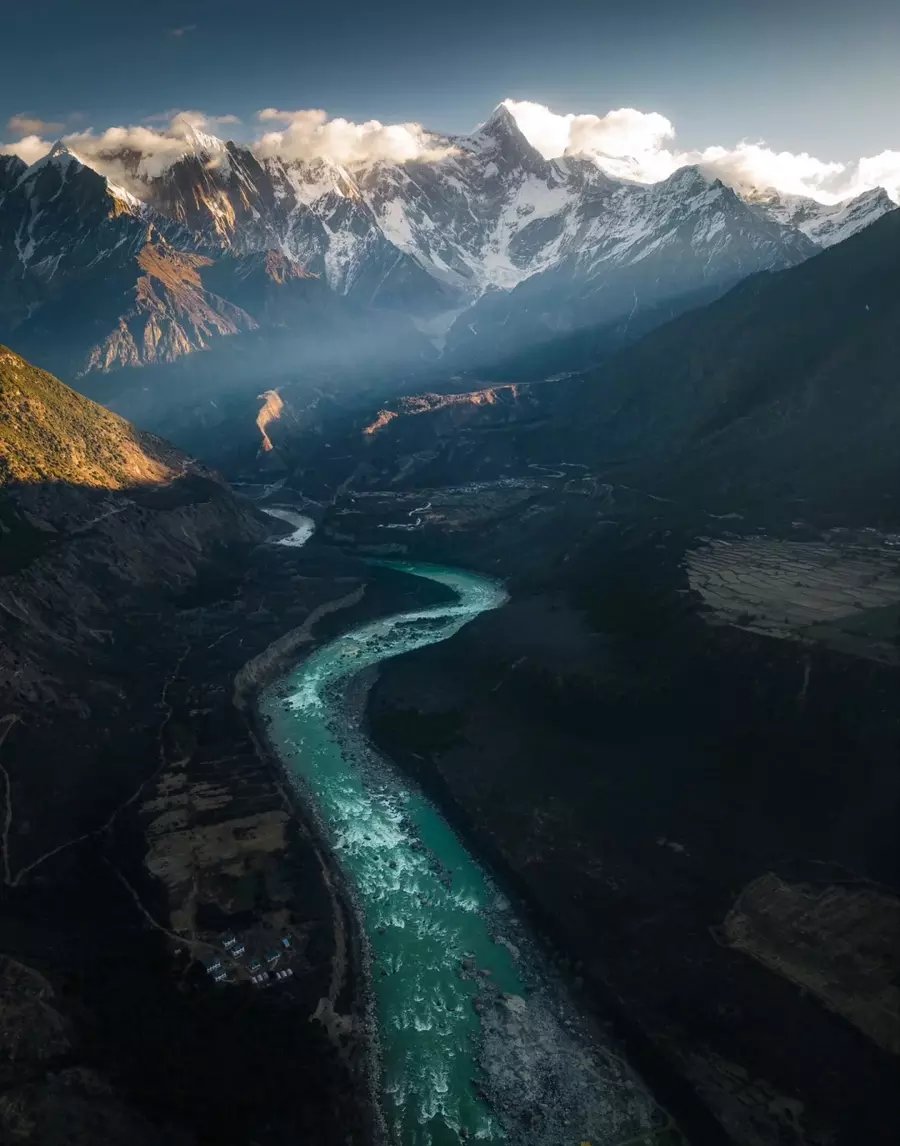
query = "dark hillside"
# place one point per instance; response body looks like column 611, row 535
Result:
column 786, row 387
column 140, row 816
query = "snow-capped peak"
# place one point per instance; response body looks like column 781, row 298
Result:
column 502, row 138
column 500, row 119
column 824, row 223
column 490, row 219
column 201, row 142
column 688, row 178
column 68, row 166
column 59, row 156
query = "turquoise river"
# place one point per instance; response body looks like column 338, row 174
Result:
column 478, row 1040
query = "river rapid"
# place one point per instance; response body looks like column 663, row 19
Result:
column 477, row 1039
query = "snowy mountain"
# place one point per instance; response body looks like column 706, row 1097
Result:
column 824, row 223
column 622, row 248
column 11, row 170
column 87, row 267
column 59, row 222
column 121, row 261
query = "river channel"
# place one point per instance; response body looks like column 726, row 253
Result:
column 477, row 1039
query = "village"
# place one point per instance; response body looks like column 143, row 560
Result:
column 261, row 959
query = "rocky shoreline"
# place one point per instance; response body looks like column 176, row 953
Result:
column 363, row 1024
column 598, row 1012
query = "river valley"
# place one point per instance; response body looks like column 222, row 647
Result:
column 477, row 1039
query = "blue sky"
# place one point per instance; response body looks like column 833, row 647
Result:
column 812, row 75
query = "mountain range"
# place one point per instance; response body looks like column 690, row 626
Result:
column 488, row 248
column 699, row 539
column 777, row 398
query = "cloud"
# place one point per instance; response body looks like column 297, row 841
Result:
column 881, row 170
column 627, row 143
column 183, row 30
column 641, row 146
column 182, row 123
column 31, row 148
column 272, row 114
column 29, row 125
column 750, row 165
column 624, row 134
column 310, row 134
column 198, row 119
column 129, row 156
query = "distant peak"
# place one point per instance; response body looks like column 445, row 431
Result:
column 690, row 176
column 754, row 194
column 501, row 133
column 502, row 117
column 62, row 156
column 201, row 141
column 59, row 156
column 693, row 180
column 875, row 195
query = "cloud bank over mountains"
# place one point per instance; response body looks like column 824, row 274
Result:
column 625, row 142
column 639, row 145
column 310, row 134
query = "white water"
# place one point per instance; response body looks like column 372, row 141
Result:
column 429, row 912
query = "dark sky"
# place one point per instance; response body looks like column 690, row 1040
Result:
column 813, row 75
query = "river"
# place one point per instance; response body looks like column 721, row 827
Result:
column 304, row 527
column 478, row 1040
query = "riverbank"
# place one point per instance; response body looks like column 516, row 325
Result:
column 347, row 1011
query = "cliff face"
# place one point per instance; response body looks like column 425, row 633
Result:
column 141, row 816
column 447, row 413
column 167, row 314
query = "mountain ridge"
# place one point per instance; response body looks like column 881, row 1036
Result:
column 49, row 433
column 136, row 798
column 485, row 249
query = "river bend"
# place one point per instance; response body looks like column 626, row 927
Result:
column 477, row 1041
